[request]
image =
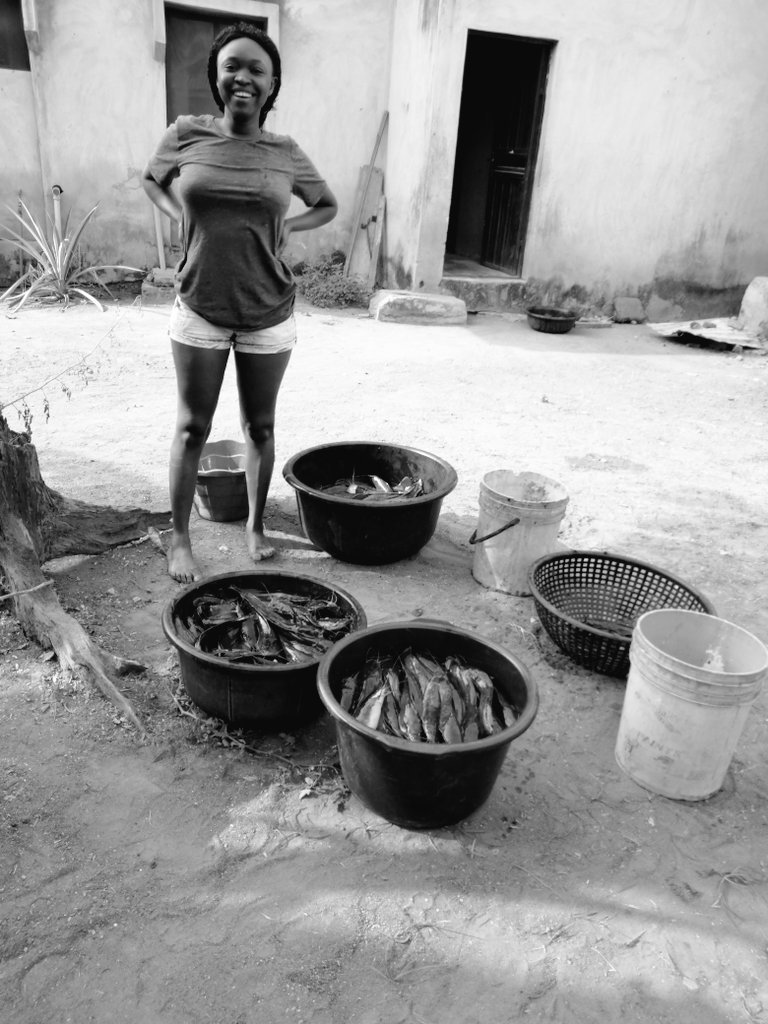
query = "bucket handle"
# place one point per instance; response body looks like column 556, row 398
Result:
column 474, row 539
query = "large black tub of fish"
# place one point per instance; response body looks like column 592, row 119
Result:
column 369, row 503
column 249, row 644
column 425, row 713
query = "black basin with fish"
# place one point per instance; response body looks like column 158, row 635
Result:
column 362, row 532
column 271, row 697
column 422, row 785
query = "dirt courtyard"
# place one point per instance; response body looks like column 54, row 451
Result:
column 189, row 880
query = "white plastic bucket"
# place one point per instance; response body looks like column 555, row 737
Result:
column 693, row 678
column 518, row 522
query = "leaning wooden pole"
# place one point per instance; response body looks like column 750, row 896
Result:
column 364, row 191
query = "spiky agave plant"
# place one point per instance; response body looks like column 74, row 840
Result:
column 55, row 271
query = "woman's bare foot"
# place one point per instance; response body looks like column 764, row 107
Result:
column 181, row 564
column 259, row 548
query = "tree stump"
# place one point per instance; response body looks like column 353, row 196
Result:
column 38, row 524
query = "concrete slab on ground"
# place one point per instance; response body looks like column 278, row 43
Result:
column 417, row 308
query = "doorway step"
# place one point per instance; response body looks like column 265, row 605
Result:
column 482, row 288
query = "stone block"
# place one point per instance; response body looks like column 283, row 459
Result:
column 753, row 315
column 428, row 308
column 627, row 310
column 162, row 277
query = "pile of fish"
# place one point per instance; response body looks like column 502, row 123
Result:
column 374, row 488
column 252, row 627
column 419, row 698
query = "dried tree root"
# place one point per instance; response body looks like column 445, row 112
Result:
column 41, row 616
column 37, row 524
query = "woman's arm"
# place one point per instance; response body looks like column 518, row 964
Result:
column 324, row 210
column 163, row 198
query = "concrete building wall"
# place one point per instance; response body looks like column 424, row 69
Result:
column 424, row 99
column 336, row 66
column 652, row 150
column 94, row 89
column 99, row 109
column 19, row 158
column 651, row 161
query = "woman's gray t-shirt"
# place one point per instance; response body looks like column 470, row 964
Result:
column 235, row 195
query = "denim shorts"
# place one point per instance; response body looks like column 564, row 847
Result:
column 190, row 329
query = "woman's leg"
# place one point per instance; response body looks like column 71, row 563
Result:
column 199, row 373
column 258, row 382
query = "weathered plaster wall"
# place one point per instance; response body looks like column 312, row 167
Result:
column 652, row 149
column 653, row 145
column 424, row 100
column 336, row 58
column 95, row 90
column 100, row 108
column 651, row 165
column 19, row 158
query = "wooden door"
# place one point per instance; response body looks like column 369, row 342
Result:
column 499, row 126
column 515, row 142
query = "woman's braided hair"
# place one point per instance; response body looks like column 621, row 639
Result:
column 237, row 31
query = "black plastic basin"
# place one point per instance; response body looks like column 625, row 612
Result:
column 551, row 320
column 422, row 785
column 368, row 533
column 269, row 697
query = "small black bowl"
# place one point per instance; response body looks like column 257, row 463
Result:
column 551, row 320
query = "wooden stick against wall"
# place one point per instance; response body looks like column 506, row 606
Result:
column 364, row 191
column 373, row 270
column 159, row 237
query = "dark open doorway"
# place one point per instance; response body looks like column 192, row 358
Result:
column 502, row 104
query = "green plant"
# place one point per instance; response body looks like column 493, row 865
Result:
column 322, row 282
column 55, row 269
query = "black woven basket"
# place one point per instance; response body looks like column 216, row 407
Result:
column 589, row 601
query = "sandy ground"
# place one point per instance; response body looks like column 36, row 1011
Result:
column 187, row 880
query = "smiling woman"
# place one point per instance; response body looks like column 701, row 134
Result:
column 249, row 76
column 229, row 182
column 189, row 34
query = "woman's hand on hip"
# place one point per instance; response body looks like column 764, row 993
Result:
column 284, row 236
